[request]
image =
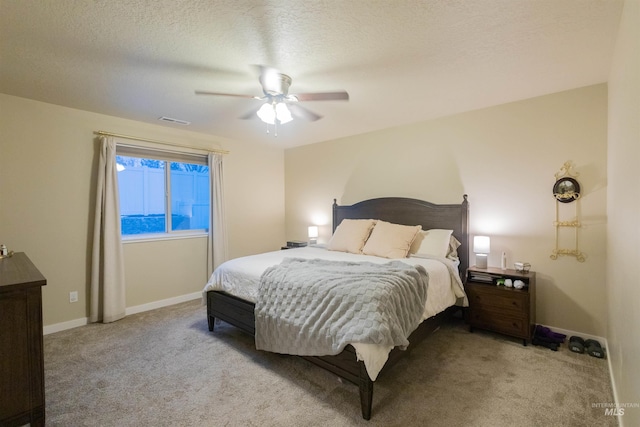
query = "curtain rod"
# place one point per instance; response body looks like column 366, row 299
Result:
column 213, row 150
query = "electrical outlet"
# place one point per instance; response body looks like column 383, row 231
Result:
column 73, row 296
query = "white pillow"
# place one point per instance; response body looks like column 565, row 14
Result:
column 389, row 240
column 351, row 235
column 434, row 242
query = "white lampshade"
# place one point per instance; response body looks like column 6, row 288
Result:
column 481, row 247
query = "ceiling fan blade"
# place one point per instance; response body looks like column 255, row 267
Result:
column 252, row 114
column 323, row 96
column 202, row 92
column 302, row 113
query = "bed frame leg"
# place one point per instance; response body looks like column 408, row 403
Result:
column 366, row 392
column 212, row 321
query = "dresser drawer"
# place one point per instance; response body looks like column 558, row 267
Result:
column 485, row 297
column 511, row 325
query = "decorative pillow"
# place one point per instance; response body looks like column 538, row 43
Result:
column 351, row 235
column 389, row 240
column 434, row 242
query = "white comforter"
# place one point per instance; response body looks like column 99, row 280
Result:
column 240, row 277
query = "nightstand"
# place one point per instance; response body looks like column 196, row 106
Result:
column 293, row 246
column 500, row 309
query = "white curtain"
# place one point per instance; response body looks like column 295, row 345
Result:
column 107, row 265
column 217, row 241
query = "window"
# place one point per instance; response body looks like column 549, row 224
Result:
column 162, row 192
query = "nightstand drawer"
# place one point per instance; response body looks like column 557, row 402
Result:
column 515, row 326
column 483, row 296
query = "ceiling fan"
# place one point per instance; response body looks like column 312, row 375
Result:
column 279, row 106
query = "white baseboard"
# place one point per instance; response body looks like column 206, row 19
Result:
column 605, row 345
column 63, row 326
column 570, row 333
column 162, row 303
column 614, row 388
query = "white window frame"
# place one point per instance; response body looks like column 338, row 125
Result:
column 168, row 156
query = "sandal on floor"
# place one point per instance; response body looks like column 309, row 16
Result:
column 550, row 345
column 594, row 348
column 545, row 339
column 576, row 344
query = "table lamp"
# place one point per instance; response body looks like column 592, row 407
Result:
column 313, row 234
column 482, row 248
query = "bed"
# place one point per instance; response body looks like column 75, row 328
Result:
column 229, row 300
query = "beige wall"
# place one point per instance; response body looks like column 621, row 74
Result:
column 158, row 270
column 47, row 176
column 504, row 158
column 623, row 231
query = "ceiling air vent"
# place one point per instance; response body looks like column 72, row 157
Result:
column 175, row 121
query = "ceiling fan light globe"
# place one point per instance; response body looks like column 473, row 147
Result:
column 282, row 113
column 267, row 113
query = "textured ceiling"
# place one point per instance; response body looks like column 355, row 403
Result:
column 401, row 61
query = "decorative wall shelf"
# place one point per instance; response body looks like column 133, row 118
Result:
column 567, row 190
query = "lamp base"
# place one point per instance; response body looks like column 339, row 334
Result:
column 481, row 260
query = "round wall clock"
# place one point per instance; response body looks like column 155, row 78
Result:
column 566, row 190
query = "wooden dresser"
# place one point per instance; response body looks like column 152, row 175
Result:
column 21, row 348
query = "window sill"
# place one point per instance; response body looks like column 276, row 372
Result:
column 139, row 238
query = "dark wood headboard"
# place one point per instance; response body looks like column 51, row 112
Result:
column 405, row 211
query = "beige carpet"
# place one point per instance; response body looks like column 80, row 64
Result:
column 164, row 368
